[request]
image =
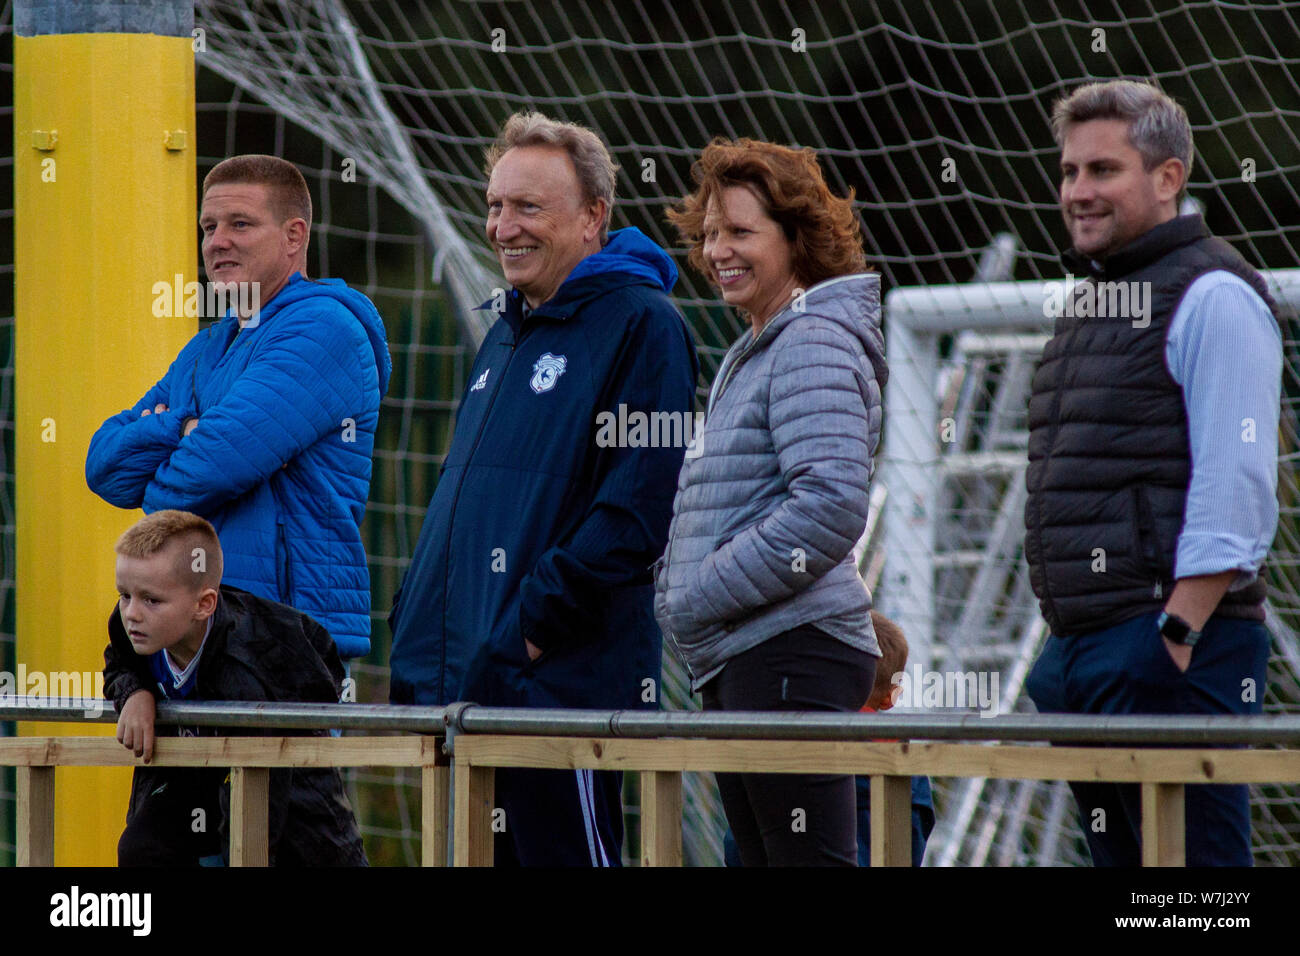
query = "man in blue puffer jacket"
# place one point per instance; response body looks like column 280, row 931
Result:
column 530, row 585
column 265, row 422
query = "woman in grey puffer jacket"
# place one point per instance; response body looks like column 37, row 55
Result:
column 758, row 591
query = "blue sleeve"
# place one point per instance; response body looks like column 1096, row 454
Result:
column 306, row 376
column 128, row 448
column 626, row 522
column 1224, row 349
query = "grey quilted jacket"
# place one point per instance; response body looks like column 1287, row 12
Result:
column 773, row 496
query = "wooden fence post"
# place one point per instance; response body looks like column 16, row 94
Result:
column 891, row 820
column 249, row 789
column 1164, row 825
column 661, row 818
column 435, row 800
column 475, row 791
column 35, row 819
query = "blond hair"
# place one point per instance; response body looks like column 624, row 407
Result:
column 198, row 556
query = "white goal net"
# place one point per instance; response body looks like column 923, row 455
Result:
column 934, row 113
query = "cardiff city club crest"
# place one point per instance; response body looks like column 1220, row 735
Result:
column 547, row 371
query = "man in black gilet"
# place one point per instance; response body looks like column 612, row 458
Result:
column 1152, row 460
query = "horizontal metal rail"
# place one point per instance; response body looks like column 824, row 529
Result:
column 467, row 718
column 1183, row 730
column 660, row 747
column 242, row 714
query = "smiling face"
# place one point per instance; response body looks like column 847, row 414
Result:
column 163, row 607
column 748, row 256
column 1107, row 198
column 538, row 224
column 244, row 240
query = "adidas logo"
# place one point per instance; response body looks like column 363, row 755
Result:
column 481, row 381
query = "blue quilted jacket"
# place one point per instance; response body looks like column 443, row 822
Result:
column 280, row 459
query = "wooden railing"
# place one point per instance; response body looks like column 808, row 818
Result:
column 250, row 760
column 660, row 747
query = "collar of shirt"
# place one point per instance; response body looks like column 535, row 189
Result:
column 179, row 677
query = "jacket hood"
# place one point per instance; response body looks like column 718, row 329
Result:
column 628, row 252
column 360, row 306
column 851, row 301
column 628, row 255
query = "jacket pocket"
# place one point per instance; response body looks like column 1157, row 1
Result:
column 657, row 569
column 1150, row 548
column 283, row 566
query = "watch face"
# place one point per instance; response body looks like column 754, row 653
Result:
column 1174, row 629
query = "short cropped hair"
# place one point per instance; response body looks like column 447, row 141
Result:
column 193, row 535
column 595, row 167
column 893, row 655
column 290, row 198
column 823, row 228
column 1158, row 127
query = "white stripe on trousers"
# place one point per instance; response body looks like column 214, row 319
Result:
column 587, row 801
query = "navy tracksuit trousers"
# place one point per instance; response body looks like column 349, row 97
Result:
column 558, row 818
column 1126, row 669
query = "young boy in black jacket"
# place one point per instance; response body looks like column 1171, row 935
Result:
column 176, row 633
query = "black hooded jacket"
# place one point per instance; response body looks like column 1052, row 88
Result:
column 257, row 650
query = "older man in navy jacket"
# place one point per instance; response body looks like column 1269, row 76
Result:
column 530, row 583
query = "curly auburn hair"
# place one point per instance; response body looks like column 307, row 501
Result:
column 822, row 227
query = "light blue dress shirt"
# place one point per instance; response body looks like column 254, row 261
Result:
column 1224, row 349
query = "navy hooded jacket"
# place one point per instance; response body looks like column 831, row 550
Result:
column 280, row 459
column 541, row 527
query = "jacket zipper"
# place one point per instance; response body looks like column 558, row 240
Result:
column 455, row 498
column 285, row 569
column 194, row 370
column 716, row 395
column 660, row 565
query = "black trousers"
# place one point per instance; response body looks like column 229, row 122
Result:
column 178, row 821
column 784, row 819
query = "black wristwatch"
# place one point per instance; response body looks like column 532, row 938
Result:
column 1176, row 630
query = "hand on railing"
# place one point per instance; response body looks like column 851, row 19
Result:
column 135, row 724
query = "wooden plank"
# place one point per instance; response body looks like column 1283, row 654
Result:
column 1007, row 761
column 475, row 791
column 661, row 818
column 1164, row 824
column 891, row 820
column 35, row 818
column 435, row 806
column 250, row 788
column 407, row 751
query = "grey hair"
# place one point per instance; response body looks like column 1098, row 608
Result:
column 1158, row 127
column 596, row 169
